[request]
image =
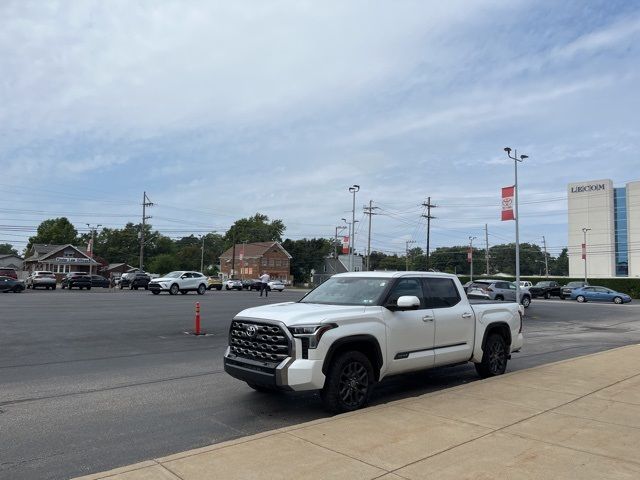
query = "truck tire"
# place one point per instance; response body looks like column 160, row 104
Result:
column 494, row 357
column 349, row 382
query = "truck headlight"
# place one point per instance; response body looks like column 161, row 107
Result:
column 311, row 334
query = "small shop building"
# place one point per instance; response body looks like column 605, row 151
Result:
column 250, row 260
column 59, row 259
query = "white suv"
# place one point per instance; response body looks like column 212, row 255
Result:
column 180, row 281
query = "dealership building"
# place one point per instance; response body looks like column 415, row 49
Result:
column 608, row 218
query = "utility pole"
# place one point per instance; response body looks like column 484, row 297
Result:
column 233, row 257
column 352, row 239
column 202, row 255
column 145, row 203
column 428, row 216
column 486, row 241
column 584, row 252
column 470, row 256
column 93, row 233
column 406, row 254
column 369, row 211
column 546, row 263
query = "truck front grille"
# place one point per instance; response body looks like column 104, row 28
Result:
column 258, row 341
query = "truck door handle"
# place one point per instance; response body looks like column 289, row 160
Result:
column 427, row 318
column 466, row 315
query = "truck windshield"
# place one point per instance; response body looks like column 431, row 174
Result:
column 348, row 291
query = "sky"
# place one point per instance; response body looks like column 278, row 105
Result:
column 219, row 110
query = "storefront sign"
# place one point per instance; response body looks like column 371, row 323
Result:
column 72, row 260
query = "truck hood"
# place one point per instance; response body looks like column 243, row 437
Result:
column 292, row 313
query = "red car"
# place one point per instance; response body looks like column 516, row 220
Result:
column 9, row 272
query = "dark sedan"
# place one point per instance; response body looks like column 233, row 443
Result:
column 8, row 284
column 99, row 281
column 571, row 286
column 546, row 289
column 76, row 279
column 134, row 281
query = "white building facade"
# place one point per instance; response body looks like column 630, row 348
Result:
column 608, row 218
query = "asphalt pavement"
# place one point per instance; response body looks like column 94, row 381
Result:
column 90, row 381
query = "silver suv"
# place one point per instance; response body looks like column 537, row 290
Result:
column 41, row 279
column 501, row 290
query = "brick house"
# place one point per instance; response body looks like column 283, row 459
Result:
column 251, row 259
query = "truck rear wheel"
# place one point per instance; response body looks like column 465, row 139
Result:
column 349, row 383
column 494, row 357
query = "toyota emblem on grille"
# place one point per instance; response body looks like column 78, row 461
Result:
column 251, row 330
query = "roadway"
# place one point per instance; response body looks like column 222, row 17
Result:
column 90, row 381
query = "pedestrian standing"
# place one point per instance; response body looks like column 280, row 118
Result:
column 264, row 284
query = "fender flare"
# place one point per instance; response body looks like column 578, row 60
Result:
column 369, row 340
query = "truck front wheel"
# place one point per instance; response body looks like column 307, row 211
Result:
column 349, row 383
column 494, row 357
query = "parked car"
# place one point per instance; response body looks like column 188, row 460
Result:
column 547, row 289
column 99, row 281
column 10, row 284
column 9, row 272
column 41, row 279
column 76, row 279
column 252, row 284
column 233, row 284
column 214, row 282
column 525, row 284
column 571, row 286
column 276, row 285
column 358, row 328
column 499, row 290
column 599, row 294
column 179, row 281
column 135, row 280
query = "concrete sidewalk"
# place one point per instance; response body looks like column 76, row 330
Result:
column 575, row 419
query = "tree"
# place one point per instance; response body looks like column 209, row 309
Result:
column 308, row 254
column 254, row 229
column 57, row 231
column 163, row 264
column 7, row 249
column 560, row 265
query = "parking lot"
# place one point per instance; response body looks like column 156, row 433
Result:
column 91, row 380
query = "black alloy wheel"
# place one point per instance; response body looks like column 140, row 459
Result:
column 349, row 382
column 494, row 357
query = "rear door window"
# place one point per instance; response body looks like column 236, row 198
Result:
column 440, row 292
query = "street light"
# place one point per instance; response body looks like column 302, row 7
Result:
column 352, row 239
column 471, row 239
column 516, row 160
column 584, row 252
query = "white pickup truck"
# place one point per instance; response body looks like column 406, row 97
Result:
column 357, row 328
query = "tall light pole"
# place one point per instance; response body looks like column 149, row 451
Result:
column 352, row 239
column 471, row 239
column 93, row 233
column 515, row 161
column 584, row 252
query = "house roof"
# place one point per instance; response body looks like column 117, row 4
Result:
column 8, row 255
column 42, row 251
column 253, row 250
column 113, row 266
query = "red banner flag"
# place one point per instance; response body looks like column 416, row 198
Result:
column 469, row 255
column 345, row 245
column 584, row 251
column 507, row 203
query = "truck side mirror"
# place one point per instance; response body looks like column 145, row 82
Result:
column 408, row 302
